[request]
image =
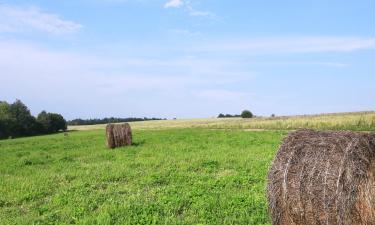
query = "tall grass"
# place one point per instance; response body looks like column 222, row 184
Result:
column 360, row 121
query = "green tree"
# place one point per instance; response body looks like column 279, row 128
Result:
column 246, row 114
column 16, row 120
column 22, row 123
column 4, row 119
column 51, row 122
column 44, row 121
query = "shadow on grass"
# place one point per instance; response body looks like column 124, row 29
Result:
column 65, row 133
column 70, row 131
column 138, row 143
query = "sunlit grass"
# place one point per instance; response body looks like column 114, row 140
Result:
column 178, row 176
column 361, row 121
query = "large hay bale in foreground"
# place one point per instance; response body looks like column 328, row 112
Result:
column 323, row 178
column 118, row 135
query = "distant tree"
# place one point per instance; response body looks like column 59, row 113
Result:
column 221, row 115
column 4, row 119
column 108, row 120
column 246, row 114
column 45, row 121
column 272, row 115
column 51, row 122
column 16, row 121
column 4, row 109
column 58, row 122
column 3, row 129
column 22, row 123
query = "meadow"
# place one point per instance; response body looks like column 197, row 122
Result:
column 202, row 171
column 172, row 176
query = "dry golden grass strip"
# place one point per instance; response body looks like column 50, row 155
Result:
column 323, row 178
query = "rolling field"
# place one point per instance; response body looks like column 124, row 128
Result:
column 203, row 171
column 170, row 176
column 358, row 121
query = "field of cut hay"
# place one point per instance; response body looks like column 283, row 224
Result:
column 178, row 176
column 360, row 121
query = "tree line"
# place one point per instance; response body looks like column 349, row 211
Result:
column 244, row 114
column 108, row 120
column 17, row 121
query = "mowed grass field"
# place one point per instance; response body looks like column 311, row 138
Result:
column 169, row 176
column 203, row 171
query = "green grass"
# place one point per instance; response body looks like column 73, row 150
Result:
column 178, row 176
column 358, row 121
column 176, row 173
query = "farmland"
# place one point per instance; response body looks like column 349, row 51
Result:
column 358, row 121
column 180, row 176
column 204, row 171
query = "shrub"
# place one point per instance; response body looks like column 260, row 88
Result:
column 246, row 114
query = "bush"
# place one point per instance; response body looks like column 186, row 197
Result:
column 246, row 114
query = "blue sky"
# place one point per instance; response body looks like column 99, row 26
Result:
column 187, row 59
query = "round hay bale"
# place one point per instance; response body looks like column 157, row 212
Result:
column 110, row 136
column 118, row 135
column 322, row 177
column 128, row 134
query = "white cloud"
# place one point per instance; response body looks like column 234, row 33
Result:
column 18, row 19
column 173, row 4
column 188, row 8
column 91, row 85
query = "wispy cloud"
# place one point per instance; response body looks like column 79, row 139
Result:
column 188, row 8
column 173, row 4
column 303, row 63
column 279, row 45
column 92, row 84
column 221, row 95
column 185, row 32
column 194, row 12
column 18, row 19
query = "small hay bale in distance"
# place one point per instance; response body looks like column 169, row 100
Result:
column 323, row 177
column 118, row 135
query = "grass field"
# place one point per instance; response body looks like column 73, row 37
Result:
column 175, row 176
column 176, row 172
column 360, row 121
